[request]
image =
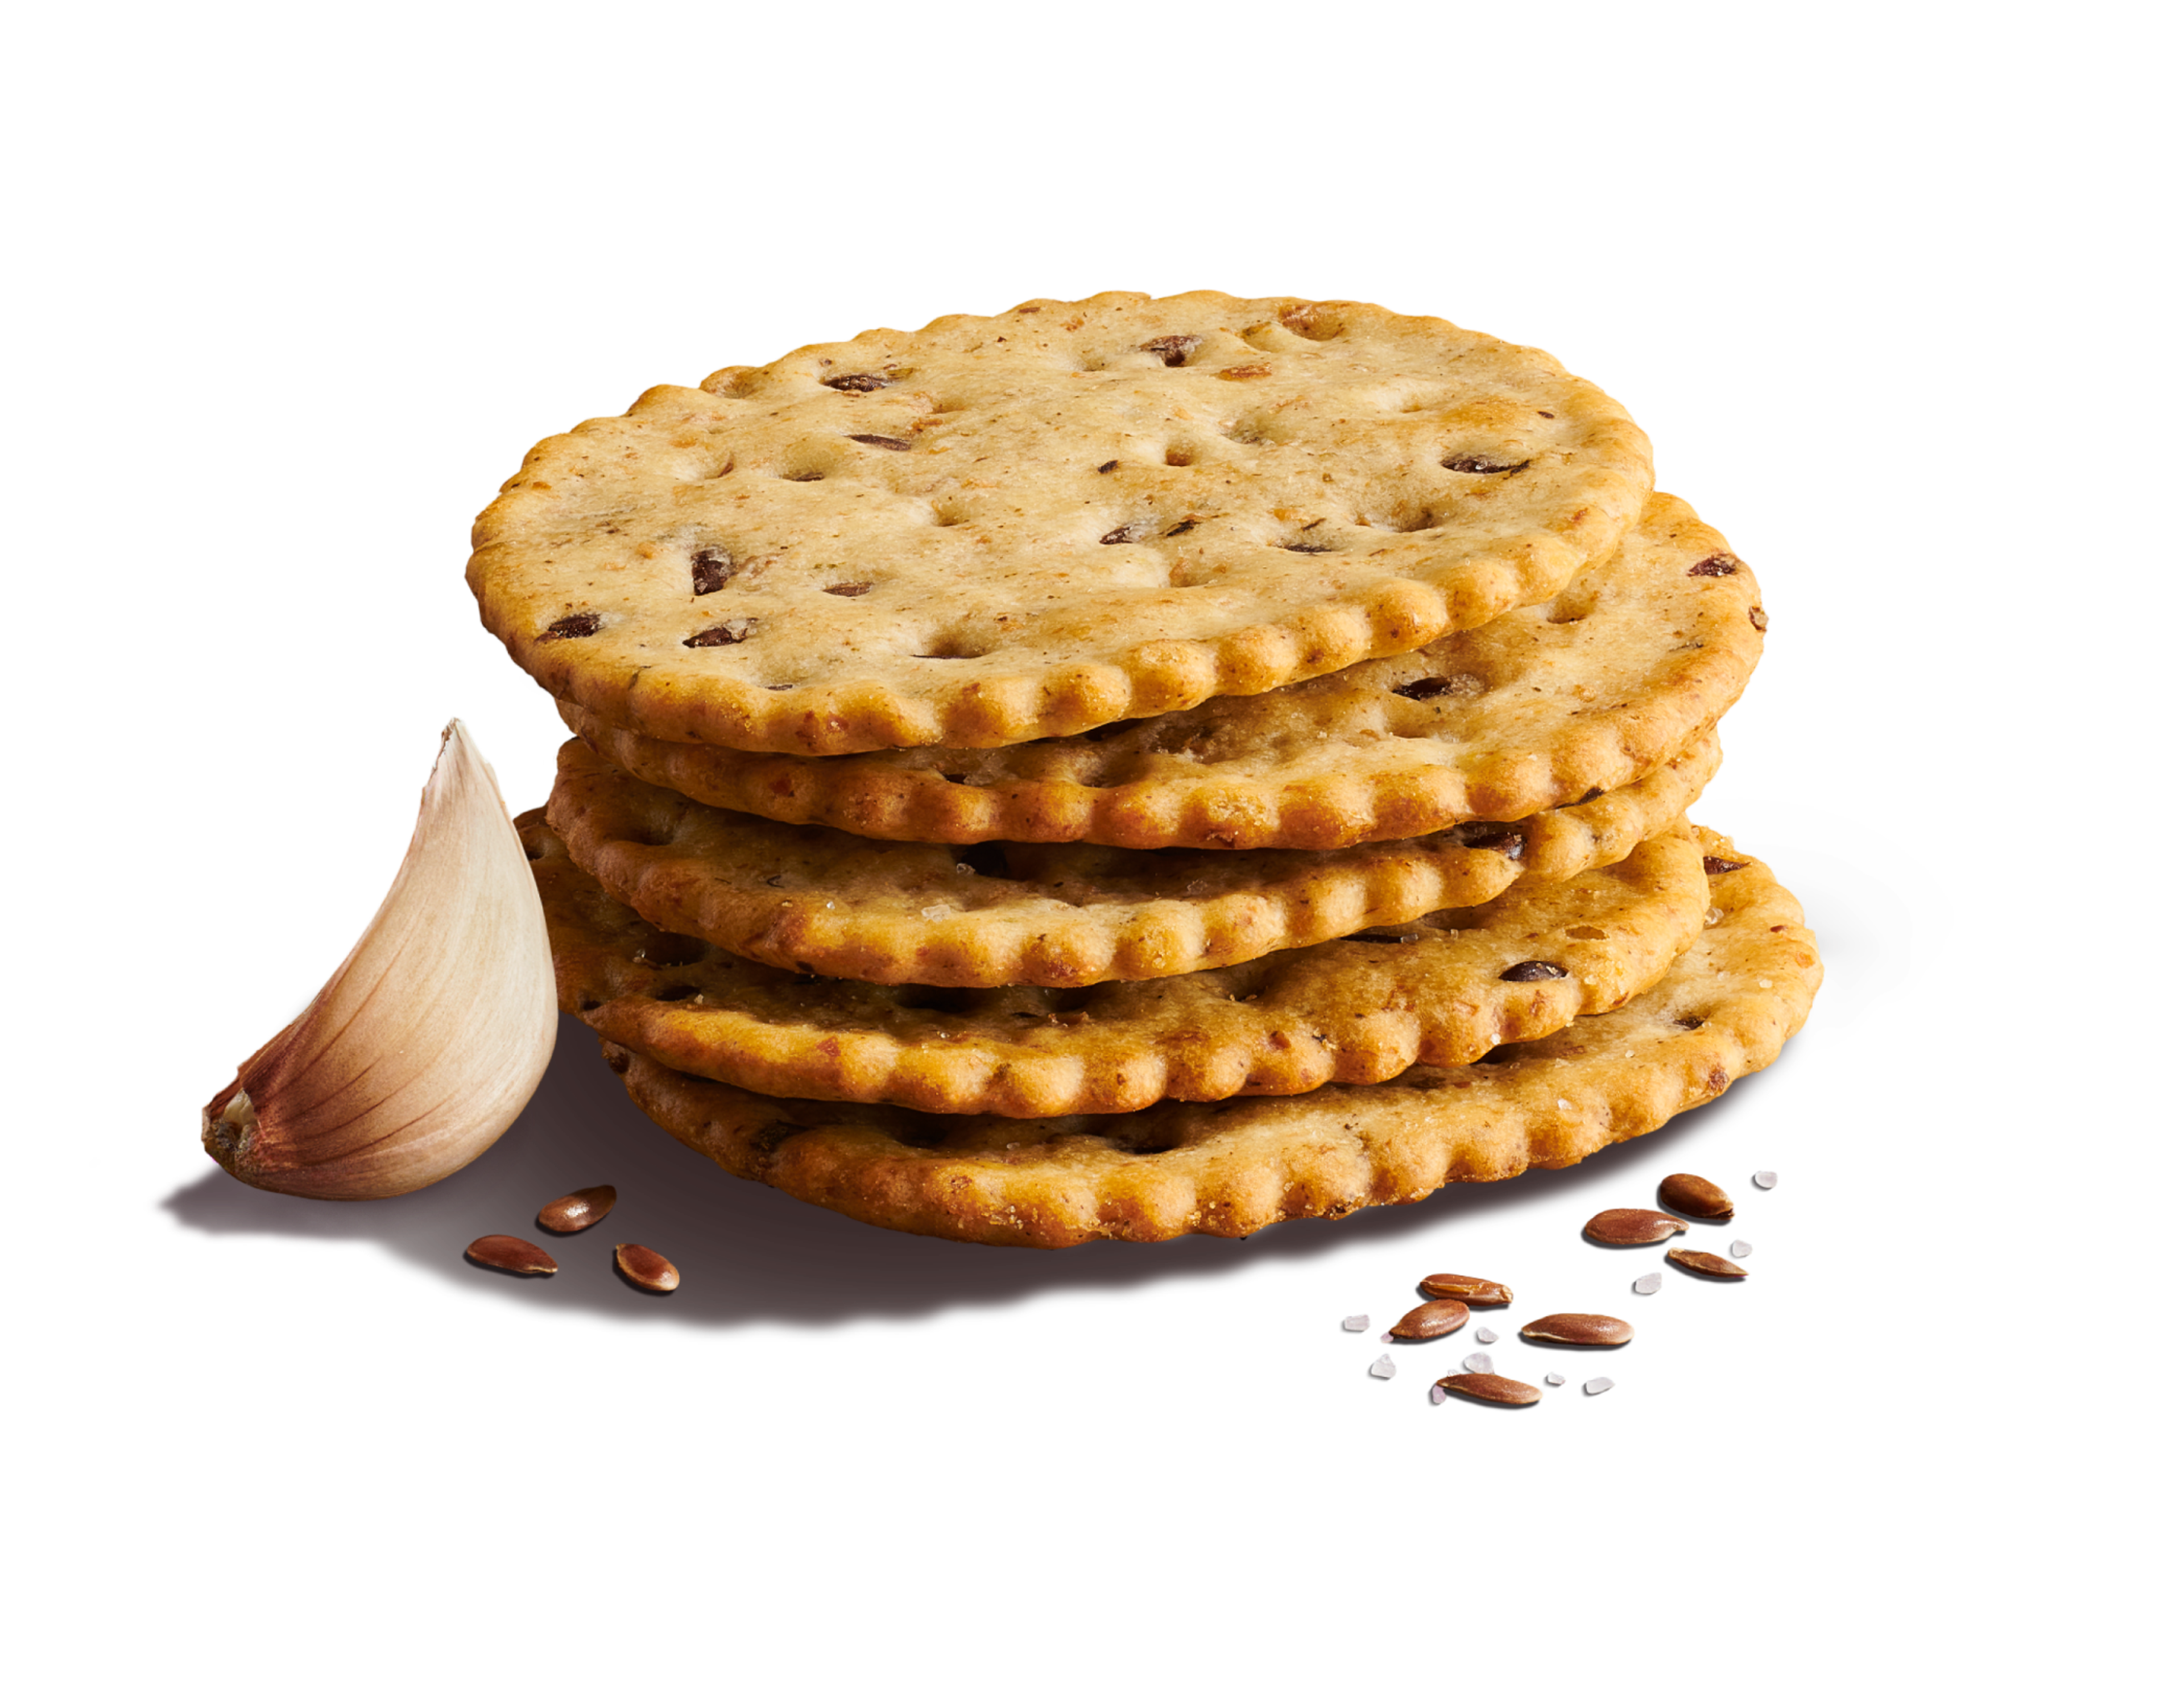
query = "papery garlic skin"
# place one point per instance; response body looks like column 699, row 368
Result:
column 433, row 1033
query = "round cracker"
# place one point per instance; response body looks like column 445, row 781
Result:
column 1588, row 692
column 1444, row 990
column 827, row 902
column 996, row 528
column 1724, row 1010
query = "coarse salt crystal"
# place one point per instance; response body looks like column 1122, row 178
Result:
column 1597, row 1384
column 1436, row 1396
column 1646, row 1283
column 1479, row 1363
column 1740, row 1248
column 1562, row 1104
column 1764, row 1179
column 965, row 870
column 1383, row 1368
column 1486, row 1336
column 1355, row 1324
column 933, row 913
column 1557, row 1380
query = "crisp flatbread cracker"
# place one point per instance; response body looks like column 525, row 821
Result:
column 1723, row 1011
column 1002, row 914
column 996, row 528
column 1444, row 989
column 1547, row 703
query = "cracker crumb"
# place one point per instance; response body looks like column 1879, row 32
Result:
column 1355, row 1324
column 1646, row 1283
column 1740, row 1248
column 1764, row 1179
column 1384, row 1368
column 1597, row 1385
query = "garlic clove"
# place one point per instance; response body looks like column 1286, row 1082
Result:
column 432, row 1034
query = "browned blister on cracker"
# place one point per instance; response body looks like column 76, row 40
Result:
column 1358, row 1010
column 999, row 528
column 1590, row 691
column 1723, row 1011
column 825, row 903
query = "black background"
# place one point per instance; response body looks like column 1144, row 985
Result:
column 370, row 398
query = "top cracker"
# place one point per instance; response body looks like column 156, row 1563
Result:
column 1001, row 528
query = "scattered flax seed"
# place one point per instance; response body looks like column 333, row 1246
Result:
column 1764, row 1179
column 1597, row 1385
column 1706, row 1264
column 1696, row 1196
column 1384, row 1368
column 1646, row 1283
column 1634, row 1227
column 1557, row 1380
column 1355, row 1324
column 510, row 1256
column 1479, row 1363
column 1740, row 1248
column 1431, row 1320
column 643, row 1267
column 1486, row 1336
column 575, row 1211
column 1492, row 1388
column 1575, row 1328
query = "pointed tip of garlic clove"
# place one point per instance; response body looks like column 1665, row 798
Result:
column 433, row 1033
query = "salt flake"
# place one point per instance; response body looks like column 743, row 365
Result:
column 1436, row 1396
column 933, row 913
column 1355, row 1324
column 1764, row 1179
column 1740, row 1248
column 1646, row 1283
column 1479, row 1363
column 1486, row 1336
column 1557, row 1380
column 1597, row 1385
column 1384, row 1368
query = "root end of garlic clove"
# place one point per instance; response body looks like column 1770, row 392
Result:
column 228, row 1123
column 430, row 1036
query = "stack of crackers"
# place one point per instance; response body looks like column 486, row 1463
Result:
column 1128, row 767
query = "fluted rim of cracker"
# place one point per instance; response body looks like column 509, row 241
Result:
column 1586, row 692
column 1723, row 1011
column 587, row 566
column 1001, row 915
column 1444, row 990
